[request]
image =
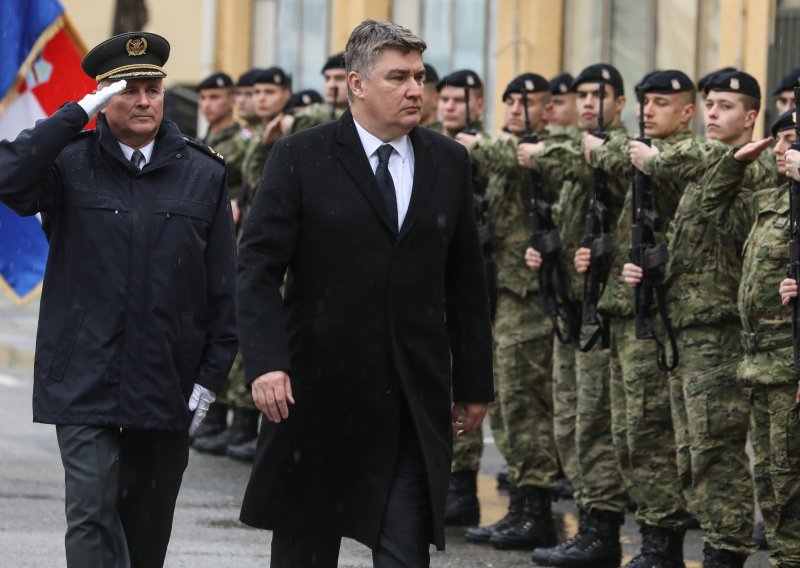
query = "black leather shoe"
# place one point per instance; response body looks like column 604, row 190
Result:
column 534, row 528
column 480, row 535
column 463, row 508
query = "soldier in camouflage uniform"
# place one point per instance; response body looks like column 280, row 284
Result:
column 562, row 112
column 430, row 100
column 335, row 96
column 768, row 366
column 784, row 91
column 463, row 508
column 581, row 400
column 640, row 400
column 710, row 409
column 522, row 334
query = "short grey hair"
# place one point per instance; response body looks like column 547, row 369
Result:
column 369, row 38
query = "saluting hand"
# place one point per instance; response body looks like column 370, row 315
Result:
column 272, row 393
column 526, row 153
column 533, row 259
column 273, row 131
column 788, row 290
column 752, row 150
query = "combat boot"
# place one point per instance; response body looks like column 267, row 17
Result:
column 595, row 546
column 541, row 556
column 216, row 421
column 516, row 500
column 716, row 558
column 503, row 480
column 661, row 548
column 243, row 428
column 463, row 508
column 534, row 528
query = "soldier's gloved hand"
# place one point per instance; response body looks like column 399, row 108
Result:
column 199, row 402
column 788, row 290
column 97, row 101
column 632, row 274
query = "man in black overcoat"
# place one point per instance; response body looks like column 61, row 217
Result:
column 136, row 326
column 384, row 323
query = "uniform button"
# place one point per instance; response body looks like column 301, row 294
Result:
column 116, row 211
column 167, row 215
column 389, row 391
column 178, row 156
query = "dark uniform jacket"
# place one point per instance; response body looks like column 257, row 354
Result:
column 370, row 323
column 137, row 303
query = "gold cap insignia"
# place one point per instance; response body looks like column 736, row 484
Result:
column 563, row 88
column 470, row 80
column 734, row 83
column 277, row 79
column 136, row 46
column 605, row 73
column 528, row 85
column 676, row 85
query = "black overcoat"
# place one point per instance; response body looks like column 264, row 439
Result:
column 137, row 303
column 370, row 318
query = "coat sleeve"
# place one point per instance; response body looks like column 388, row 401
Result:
column 266, row 248
column 467, row 306
column 221, row 338
column 28, row 176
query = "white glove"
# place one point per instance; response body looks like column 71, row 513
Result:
column 199, row 402
column 97, row 101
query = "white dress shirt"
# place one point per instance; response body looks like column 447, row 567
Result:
column 146, row 151
column 401, row 166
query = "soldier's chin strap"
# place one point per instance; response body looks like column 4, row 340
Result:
column 661, row 302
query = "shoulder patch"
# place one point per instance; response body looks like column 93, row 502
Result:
column 204, row 147
column 246, row 133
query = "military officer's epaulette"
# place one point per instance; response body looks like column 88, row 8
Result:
column 204, row 147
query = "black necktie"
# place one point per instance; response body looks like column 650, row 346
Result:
column 137, row 159
column 384, row 179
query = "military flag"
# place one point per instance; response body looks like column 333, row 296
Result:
column 40, row 56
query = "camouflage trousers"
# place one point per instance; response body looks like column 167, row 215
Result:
column 467, row 451
column 641, row 427
column 234, row 392
column 601, row 479
column 710, row 411
column 565, row 406
column 775, row 433
column 525, row 400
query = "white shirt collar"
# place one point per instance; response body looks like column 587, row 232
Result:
column 147, row 151
column 371, row 143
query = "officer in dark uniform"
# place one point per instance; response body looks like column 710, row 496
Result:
column 136, row 326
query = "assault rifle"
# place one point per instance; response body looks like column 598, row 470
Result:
column 468, row 127
column 793, row 270
column 545, row 239
column 597, row 237
column 651, row 257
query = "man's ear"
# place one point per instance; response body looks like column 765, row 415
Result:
column 356, row 84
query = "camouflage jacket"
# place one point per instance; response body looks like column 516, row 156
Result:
column 255, row 157
column 560, row 134
column 314, row 115
column 496, row 167
column 766, row 323
column 612, row 157
column 231, row 144
column 436, row 127
column 706, row 236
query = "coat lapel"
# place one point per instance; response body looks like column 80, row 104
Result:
column 351, row 154
column 425, row 165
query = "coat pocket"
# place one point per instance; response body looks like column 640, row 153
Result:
column 66, row 340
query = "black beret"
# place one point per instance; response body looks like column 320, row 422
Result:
column 665, row 82
column 132, row 55
column 531, row 82
column 304, row 98
column 431, row 76
column 272, row 76
column 461, row 78
column 784, row 122
column 600, row 72
column 789, row 81
column 334, row 62
column 246, row 78
column 701, row 84
column 734, row 82
column 215, row 81
column 559, row 85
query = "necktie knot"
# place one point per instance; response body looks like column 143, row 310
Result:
column 384, row 152
column 137, row 158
